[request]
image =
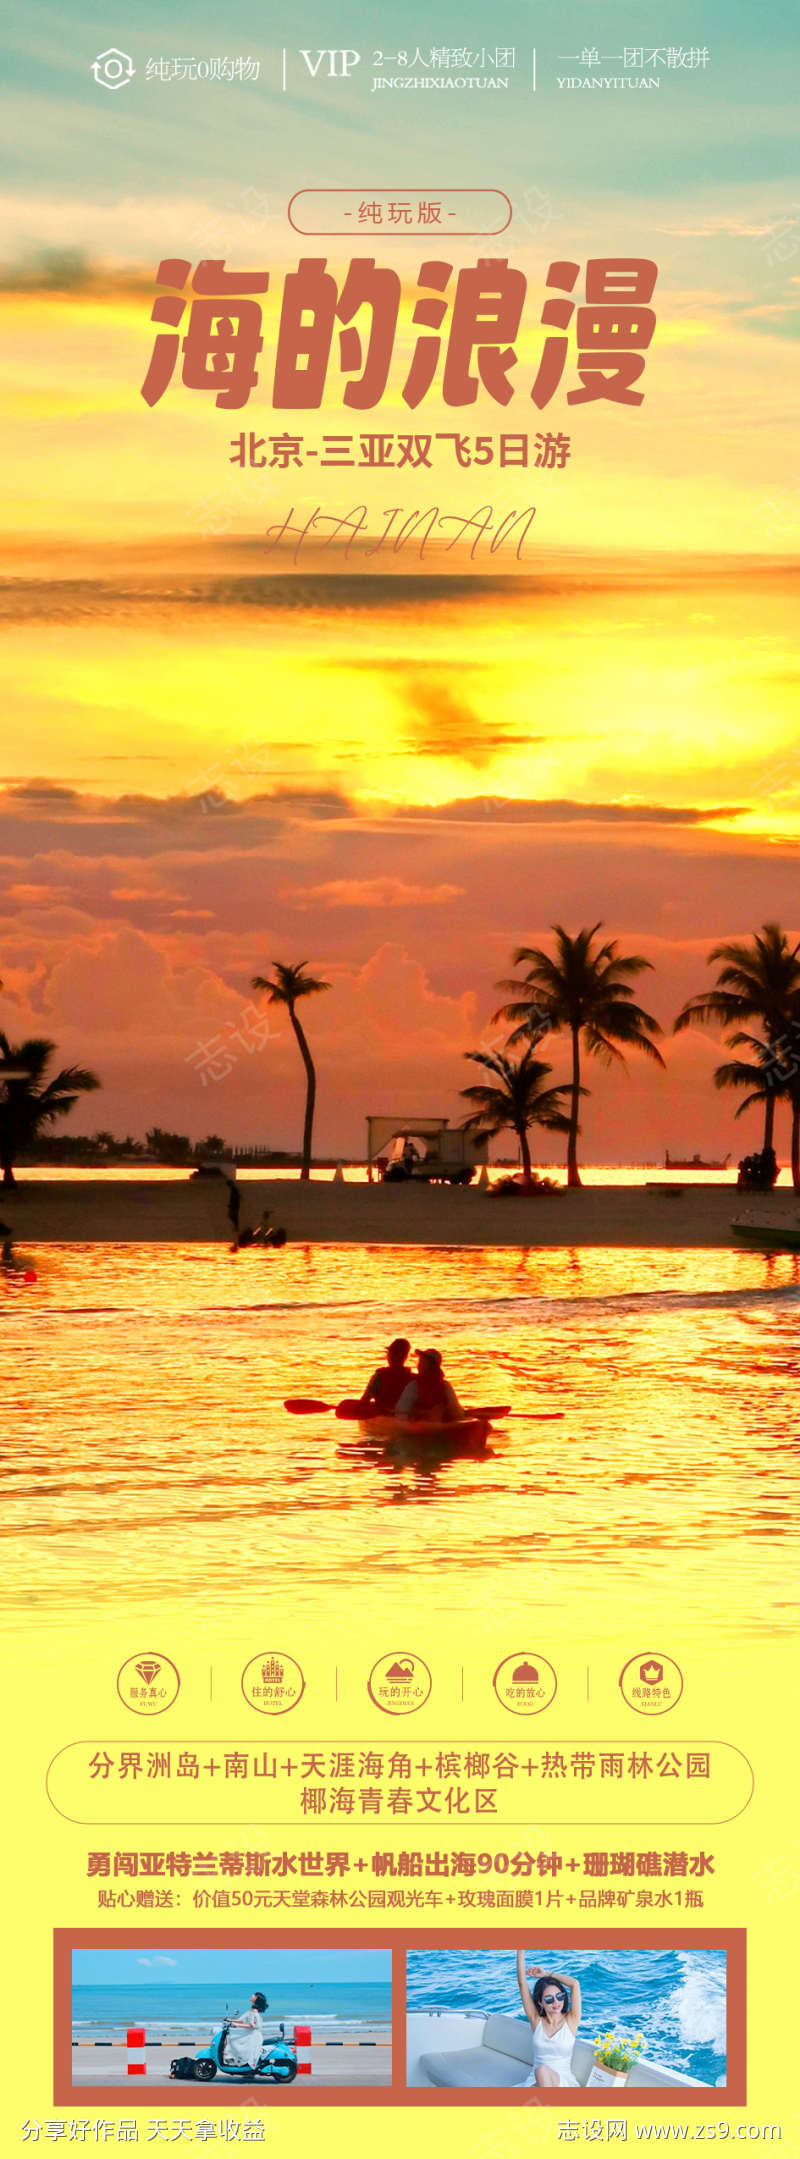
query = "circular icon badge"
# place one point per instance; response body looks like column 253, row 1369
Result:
column 148, row 1683
column 525, row 1683
column 651, row 1683
column 272, row 1683
column 399, row 1683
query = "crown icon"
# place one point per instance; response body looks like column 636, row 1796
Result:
column 651, row 1673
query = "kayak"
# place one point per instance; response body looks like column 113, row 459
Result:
column 403, row 1431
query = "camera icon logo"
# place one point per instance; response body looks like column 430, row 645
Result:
column 113, row 68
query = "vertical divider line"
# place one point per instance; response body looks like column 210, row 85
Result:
column 399, row 2006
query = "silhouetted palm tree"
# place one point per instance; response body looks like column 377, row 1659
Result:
column 756, row 981
column 793, row 1091
column 31, row 1100
column 763, row 1076
column 583, row 991
column 779, row 1073
column 285, row 986
column 518, row 1100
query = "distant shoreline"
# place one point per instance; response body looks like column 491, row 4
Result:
column 141, row 1211
column 166, row 2031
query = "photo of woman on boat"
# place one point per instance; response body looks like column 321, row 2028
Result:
column 553, row 2010
column 482, row 2016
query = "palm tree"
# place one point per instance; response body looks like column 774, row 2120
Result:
column 31, row 1100
column 518, row 1100
column 285, row 986
column 783, row 1058
column 764, row 1076
column 584, row 991
column 793, row 1092
column 756, row 981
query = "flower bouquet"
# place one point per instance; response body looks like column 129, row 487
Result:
column 613, row 2058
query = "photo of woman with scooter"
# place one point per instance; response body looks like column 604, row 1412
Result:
column 239, row 2050
column 180, row 2011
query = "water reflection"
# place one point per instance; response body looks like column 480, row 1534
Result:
column 145, row 1438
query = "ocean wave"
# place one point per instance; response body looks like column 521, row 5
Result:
column 698, row 2005
column 610, row 1303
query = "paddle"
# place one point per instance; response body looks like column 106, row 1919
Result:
column 302, row 1405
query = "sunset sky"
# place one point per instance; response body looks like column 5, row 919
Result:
column 207, row 764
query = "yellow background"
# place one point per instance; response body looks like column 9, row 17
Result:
column 62, row 1687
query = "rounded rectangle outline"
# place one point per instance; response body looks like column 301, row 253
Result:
column 557, row 1821
column 458, row 232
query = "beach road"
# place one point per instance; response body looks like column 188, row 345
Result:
column 365, row 2059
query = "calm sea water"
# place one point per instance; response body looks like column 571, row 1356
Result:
column 603, row 1174
column 675, row 1998
column 185, row 2009
column 145, row 1440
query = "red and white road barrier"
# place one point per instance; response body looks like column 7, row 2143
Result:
column 302, row 2040
column 137, row 2053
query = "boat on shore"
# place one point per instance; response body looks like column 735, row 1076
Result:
column 767, row 1236
column 475, row 2050
column 692, row 1161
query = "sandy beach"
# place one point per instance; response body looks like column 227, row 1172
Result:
column 142, row 1212
column 350, row 2063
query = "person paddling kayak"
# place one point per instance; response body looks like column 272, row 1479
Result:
column 430, row 1396
column 382, row 1392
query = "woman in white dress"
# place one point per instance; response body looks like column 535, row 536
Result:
column 553, row 2010
column 245, row 2037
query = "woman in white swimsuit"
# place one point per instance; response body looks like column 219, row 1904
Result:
column 553, row 2011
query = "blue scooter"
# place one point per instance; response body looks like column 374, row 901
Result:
column 277, row 2063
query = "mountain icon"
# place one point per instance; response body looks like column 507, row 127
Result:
column 525, row 1675
column 400, row 1671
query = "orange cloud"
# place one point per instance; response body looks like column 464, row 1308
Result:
column 371, row 892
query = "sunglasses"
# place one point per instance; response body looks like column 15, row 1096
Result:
column 548, row 1999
